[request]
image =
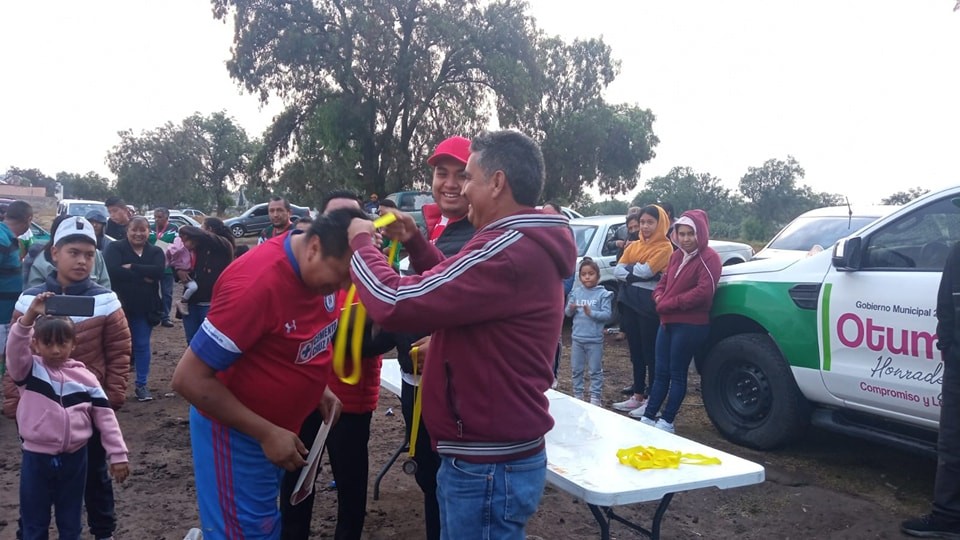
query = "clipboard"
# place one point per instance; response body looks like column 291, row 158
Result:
column 308, row 474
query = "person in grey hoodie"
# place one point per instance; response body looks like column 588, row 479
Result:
column 590, row 307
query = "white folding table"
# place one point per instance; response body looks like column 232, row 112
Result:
column 582, row 460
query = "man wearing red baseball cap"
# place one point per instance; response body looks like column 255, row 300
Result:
column 449, row 230
column 445, row 219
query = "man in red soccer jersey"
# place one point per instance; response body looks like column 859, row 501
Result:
column 257, row 367
column 346, row 445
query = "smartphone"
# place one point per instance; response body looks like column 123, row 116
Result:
column 71, row 306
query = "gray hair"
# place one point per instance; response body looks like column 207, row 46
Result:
column 517, row 156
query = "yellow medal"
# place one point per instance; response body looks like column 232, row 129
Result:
column 360, row 319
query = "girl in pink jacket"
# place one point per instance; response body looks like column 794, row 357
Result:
column 60, row 402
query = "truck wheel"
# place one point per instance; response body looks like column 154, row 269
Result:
column 238, row 231
column 750, row 394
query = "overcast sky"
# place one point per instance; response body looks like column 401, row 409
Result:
column 865, row 94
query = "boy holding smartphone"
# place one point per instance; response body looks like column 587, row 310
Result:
column 103, row 345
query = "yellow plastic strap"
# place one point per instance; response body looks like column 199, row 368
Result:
column 340, row 341
column 359, row 321
column 392, row 256
column 417, row 403
column 649, row 457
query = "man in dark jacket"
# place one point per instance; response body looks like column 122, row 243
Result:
column 99, row 222
column 494, row 328
column 120, row 217
column 447, row 225
column 448, row 161
column 944, row 520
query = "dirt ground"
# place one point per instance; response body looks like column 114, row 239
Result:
column 828, row 486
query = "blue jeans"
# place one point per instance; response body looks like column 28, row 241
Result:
column 140, row 331
column 676, row 344
column 587, row 354
column 192, row 321
column 166, row 294
column 56, row 481
column 489, row 501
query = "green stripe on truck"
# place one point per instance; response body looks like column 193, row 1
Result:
column 825, row 325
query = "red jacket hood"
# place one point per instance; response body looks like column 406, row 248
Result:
column 700, row 222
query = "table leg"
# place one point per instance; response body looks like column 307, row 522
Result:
column 386, row 467
column 605, row 515
column 602, row 520
column 658, row 515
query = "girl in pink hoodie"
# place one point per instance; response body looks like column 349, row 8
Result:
column 60, row 402
column 684, row 297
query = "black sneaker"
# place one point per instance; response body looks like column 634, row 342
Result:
column 166, row 323
column 627, row 390
column 931, row 526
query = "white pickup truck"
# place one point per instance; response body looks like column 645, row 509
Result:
column 845, row 339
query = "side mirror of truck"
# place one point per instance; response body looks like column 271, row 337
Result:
column 846, row 254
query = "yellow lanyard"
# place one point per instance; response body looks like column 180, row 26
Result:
column 359, row 320
column 417, row 402
column 649, row 457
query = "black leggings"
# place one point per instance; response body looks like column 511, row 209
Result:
column 641, row 332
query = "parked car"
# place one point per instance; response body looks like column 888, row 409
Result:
column 177, row 218
column 255, row 219
column 38, row 235
column 595, row 237
column 412, row 203
column 194, row 213
column 570, row 213
column 844, row 339
column 80, row 207
column 820, row 229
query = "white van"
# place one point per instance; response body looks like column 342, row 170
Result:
column 80, row 207
column 845, row 339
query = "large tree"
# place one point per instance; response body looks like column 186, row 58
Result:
column 686, row 189
column 32, row 178
column 586, row 141
column 775, row 198
column 90, row 186
column 903, row 197
column 389, row 78
column 196, row 162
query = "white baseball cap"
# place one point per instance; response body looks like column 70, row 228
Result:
column 72, row 226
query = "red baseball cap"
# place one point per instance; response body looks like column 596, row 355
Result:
column 457, row 148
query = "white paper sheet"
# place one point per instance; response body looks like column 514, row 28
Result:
column 308, row 474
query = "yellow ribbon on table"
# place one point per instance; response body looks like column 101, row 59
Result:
column 359, row 320
column 650, row 457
